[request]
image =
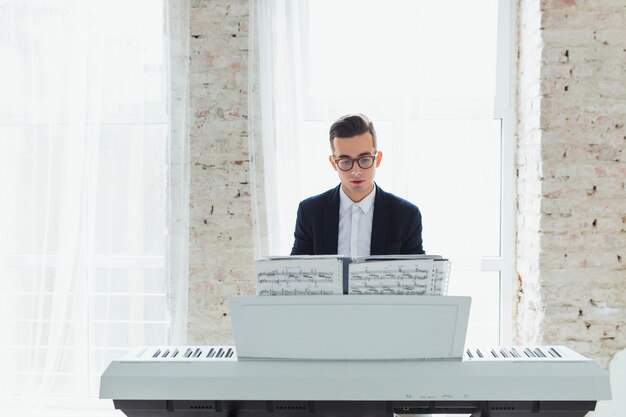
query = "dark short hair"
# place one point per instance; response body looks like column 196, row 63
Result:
column 351, row 125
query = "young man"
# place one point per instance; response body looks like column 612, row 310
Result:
column 356, row 218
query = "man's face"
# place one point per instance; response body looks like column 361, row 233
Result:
column 356, row 182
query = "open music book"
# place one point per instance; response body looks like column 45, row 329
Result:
column 332, row 275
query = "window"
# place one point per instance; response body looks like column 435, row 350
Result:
column 438, row 86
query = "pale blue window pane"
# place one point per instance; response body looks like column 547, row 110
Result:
column 453, row 175
column 484, row 288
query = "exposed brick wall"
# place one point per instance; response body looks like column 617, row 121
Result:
column 529, row 310
column 571, row 245
column 221, row 250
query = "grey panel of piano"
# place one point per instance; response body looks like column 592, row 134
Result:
column 490, row 381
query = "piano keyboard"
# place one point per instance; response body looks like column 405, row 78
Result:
column 521, row 353
column 183, row 353
column 471, row 353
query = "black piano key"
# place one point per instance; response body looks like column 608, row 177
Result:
column 539, row 353
column 220, row 353
column 188, row 352
column 479, row 353
column 197, row 353
column 503, row 353
column 157, row 353
column 529, row 353
column 493, row 353
column 167, row 352
column 554, row 353
column 515, row 353
column 469, row 354
column 211, row 353
column 175, row 353
column 229, row 352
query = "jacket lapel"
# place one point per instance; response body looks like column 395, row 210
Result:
column 331, row 222
column 379, row 223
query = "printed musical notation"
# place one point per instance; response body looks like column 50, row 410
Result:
column 441, row 276
column 324, row 275
column 405, row 277
column 299, row 276
column 295, row 291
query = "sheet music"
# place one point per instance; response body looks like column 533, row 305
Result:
column 441, row 277
column 323, row 275
column 299, row 276
column 405, row 277
column 393, row 257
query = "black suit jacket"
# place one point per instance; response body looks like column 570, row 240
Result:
column 396, row 227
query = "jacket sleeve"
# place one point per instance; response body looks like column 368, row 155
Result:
column 413, row 243
column 303, row 239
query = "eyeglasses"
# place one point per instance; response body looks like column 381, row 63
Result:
column 365, row 162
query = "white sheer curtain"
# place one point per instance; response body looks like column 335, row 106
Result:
column 437, row 85
column 277, row 35
column 93, row 174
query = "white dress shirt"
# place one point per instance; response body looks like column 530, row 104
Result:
column 355, row 225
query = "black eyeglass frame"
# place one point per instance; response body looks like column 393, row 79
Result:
column 358, row 160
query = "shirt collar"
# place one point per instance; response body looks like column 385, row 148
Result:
column 366, row 204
